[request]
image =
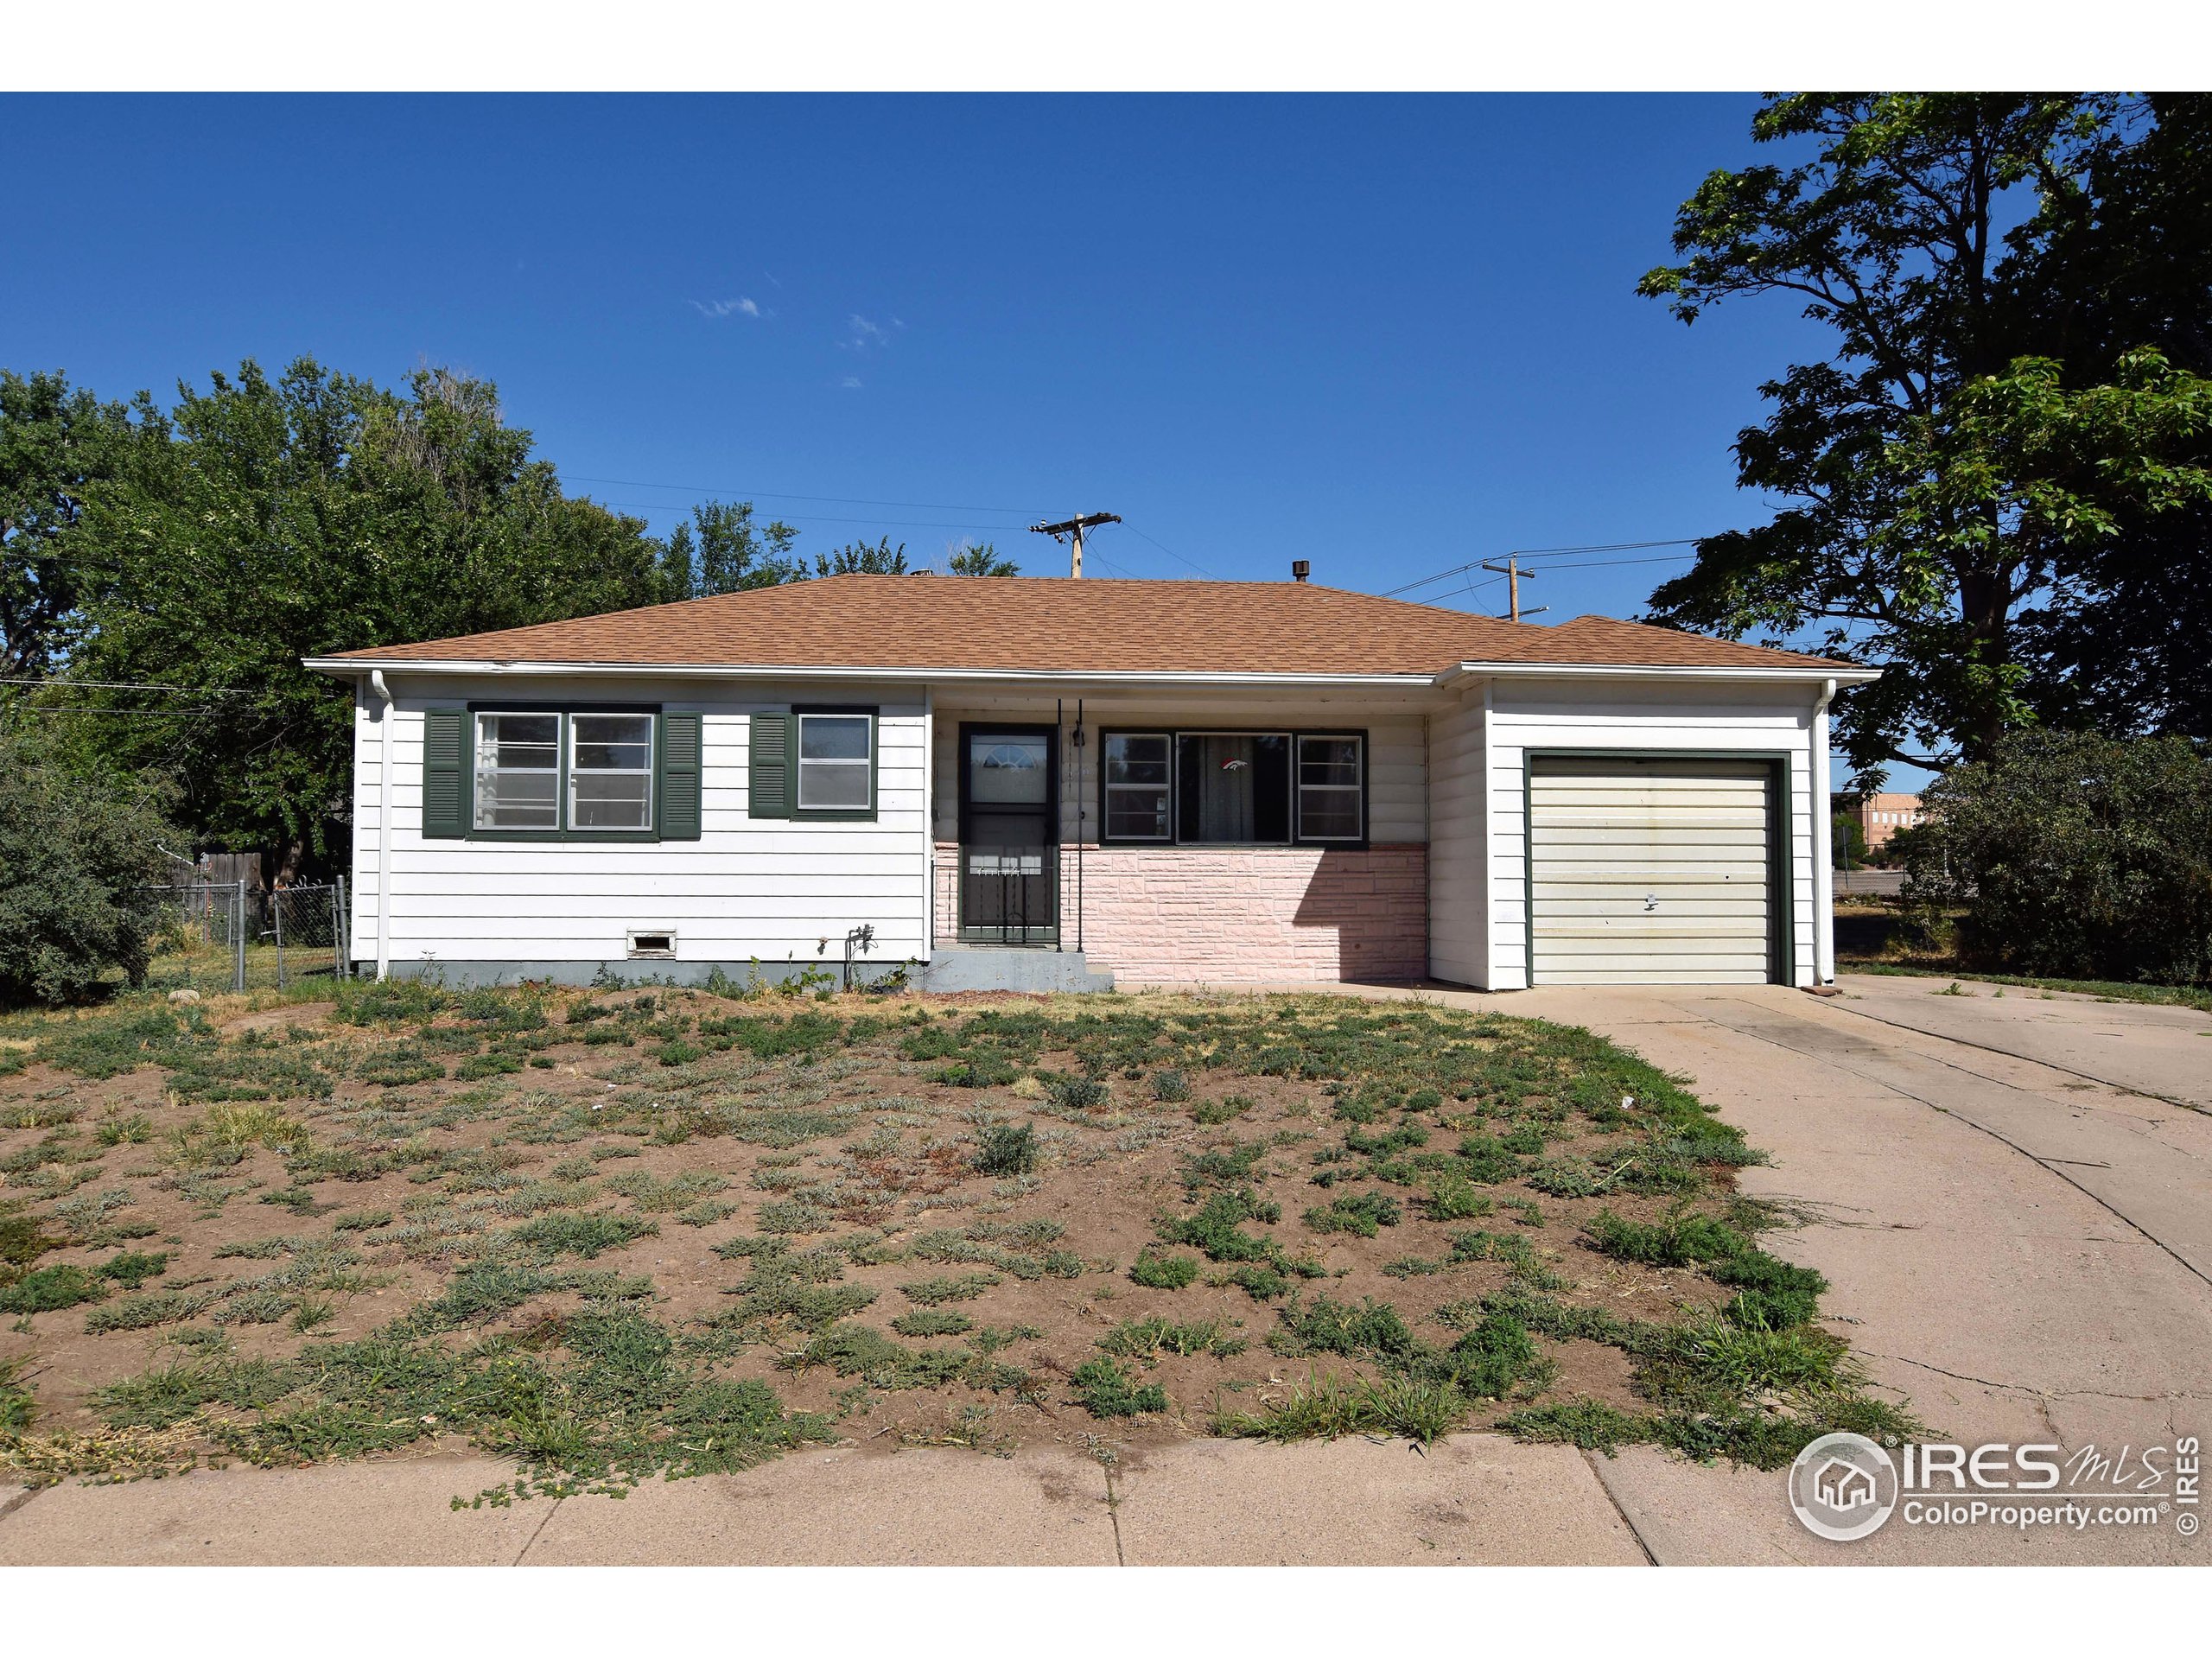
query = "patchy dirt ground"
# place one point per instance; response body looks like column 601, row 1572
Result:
column 615, row 1232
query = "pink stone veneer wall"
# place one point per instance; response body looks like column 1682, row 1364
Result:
column 1238, row 914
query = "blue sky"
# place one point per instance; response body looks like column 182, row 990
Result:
column 1390, row 335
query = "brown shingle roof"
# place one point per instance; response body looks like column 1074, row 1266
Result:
column 1060, row 625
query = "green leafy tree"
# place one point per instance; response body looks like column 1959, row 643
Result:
column 722, row 550
column 1847, row 841
column 263, row 521
column 982, row 559
column 55, row 445
column 858, row 558
column 78, row 850
column 1951, row 478
column 2073, row 854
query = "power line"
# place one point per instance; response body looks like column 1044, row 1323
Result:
column 133, row 714
column 721, row 492
column 134, row 685
column 827, row 518
column 1172, row 553
column 1607, row 547
column 1527, row 552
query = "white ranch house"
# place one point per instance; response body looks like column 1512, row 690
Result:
column 1030, row 783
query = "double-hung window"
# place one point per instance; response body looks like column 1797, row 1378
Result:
column 836, row 762
column 1138, row 779
column 1331, row 786
column 1226, row 788
column 517, row 772
column 555, row 773
column 611, row 772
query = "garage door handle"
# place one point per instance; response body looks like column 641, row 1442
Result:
column 1651, row 901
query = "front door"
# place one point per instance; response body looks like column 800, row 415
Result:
column 1009, row 835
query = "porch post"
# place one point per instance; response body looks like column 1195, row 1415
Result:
column 929, row 823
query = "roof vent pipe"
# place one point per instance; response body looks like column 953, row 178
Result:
column 1301, row 569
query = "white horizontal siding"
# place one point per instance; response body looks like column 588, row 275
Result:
column 774, row 889
column 1652, row 718
column 1458, row 896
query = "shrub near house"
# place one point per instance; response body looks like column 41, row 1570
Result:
column 75, row 852
column 2073, row 854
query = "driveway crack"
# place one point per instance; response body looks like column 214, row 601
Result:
column 2007, row 1053
column 2041, row 1162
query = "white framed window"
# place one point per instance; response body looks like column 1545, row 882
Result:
column 836, row 763
column 1332, row 785
column 1139, row 782
column 611, row 772
column 517, row 771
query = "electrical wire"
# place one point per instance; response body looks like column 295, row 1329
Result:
column 1553, row 552
column 720, row 493
column 1171, row 552
column 133, row 685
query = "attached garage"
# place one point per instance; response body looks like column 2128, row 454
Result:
column 1656, row 870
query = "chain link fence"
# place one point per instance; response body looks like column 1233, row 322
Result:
column 230, row 935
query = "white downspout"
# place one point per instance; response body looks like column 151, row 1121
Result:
column 1823, row 852
column 383, row 825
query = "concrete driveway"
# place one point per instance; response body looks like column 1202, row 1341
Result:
column 2012, row 1195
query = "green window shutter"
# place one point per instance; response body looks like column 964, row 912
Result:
column 445, row 792
column 679, row 777
column 771, row 768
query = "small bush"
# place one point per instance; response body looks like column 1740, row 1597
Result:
column 76, row 850
column 1006, row 1148
column 1078, row 1093
column 1365, row 1214
column 50, row 1288
column 1157, row 1272
column 1214, row 1228
column 932, row 1322
column 1212, row 1113
column 1170, row 1088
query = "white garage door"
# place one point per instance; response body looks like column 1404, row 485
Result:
column 1649, row 872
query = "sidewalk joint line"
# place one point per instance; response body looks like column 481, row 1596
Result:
column 1613, row 1499
column 18, row 1501
column 539, row 1529
column 1114, row 1514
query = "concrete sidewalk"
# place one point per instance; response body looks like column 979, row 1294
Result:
column 2024, row 1252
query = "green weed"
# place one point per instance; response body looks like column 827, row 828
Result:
column 1155, row 1271
column 1104, row 1388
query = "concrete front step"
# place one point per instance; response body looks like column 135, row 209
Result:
column 1010, row 968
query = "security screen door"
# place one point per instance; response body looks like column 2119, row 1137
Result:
column 1009, row 836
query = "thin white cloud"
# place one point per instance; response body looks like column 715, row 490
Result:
column 739, row 307
column 850, row 383
column 861, row 334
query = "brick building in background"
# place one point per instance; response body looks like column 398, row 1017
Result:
column 1880, row 816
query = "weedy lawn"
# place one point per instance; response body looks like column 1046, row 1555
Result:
column 636, row 1232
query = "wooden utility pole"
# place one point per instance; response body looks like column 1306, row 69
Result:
column 1514, row 576
column 1073, row 528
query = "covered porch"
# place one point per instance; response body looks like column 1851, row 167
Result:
column 1210, row 837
